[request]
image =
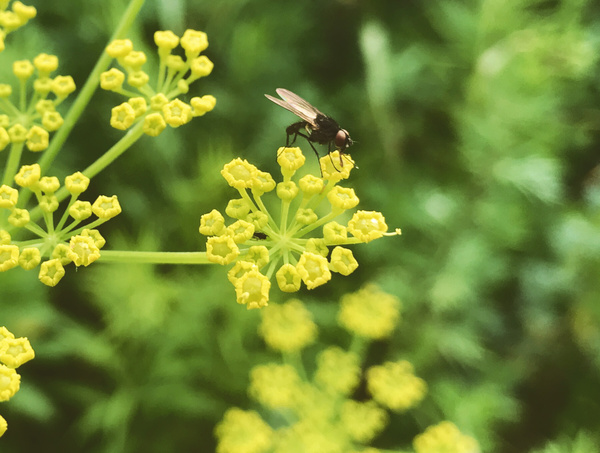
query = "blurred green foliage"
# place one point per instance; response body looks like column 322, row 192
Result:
column 476, row 125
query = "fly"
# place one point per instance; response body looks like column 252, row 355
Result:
column 315, row 127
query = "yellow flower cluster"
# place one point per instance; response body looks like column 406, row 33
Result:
column 288, row 327
column 395, row 386
column 12, row 19
column 30, row 122
column 321, row 415
column 60, row 242
column 369, row 313
column 157, row 106
column 290, row 242
column 445, row 438
column 14, row 352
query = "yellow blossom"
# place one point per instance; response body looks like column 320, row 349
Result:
column 77, row 183
column 29, row 258
column 395, row 386
column 23, row 69
column 3, row 424
column 51, row 272
column 80, row 210
column 8, row 196
column 200, row 67
column 342, row 198
column 212, row 224
column 10, row 382
column 343, row 261
column 363, row 421
column 367, row 225
column 112, row 79
column 287, row 327
column 45, row 64
column 203, row 104
column 17, row 133
column 445, row 438
column 221, row 249
column 166, row 39
column 62, row 86
column 194, row 42
column 177, row 113
column 138, row 78
column 14, row 352
column 338, row 371
column 290, row 160
column 83, row 250
column 122, row 116
column 252, row 289
column 369, row 312
column 49, row 184
column 9, row 257
column 106, row 207
column 154, row 124
column 243, row 432
column 240, row 231
column 239, row 173
column 52, row 121
column 19, row 217
column 274, row 386
column 313, row 270
column 61, row 253
column 119, row 48
column 336, row 167
column 288, row 278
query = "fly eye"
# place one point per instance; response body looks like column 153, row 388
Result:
column 342, row 139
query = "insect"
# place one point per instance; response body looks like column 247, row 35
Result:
column 315, row 127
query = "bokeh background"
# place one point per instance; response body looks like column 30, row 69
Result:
column 477, row 132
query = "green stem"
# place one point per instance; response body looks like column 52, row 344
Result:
column 88, row 89
column 12, row 166
column 122, row 256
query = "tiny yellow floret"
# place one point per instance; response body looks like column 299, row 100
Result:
column 49, row 184
column 290, row 160
column 154, row 124
column 77, row 183
column 80, row 210
column 288, row 278
column 287, row 327
column 62, row 86
column 19, row 217
column 45, row 64
column 239, row 173
column 23, row 69
column 177, row 113
column 51, row 272
column 119, row 48
column 212, row 224
column 138, row 79
column 112, row 79
column 95, row 236
column 221, row 249
column 10, row 382
column 28, row 175
column 342, row 198
column 343, row 261
column 106, row 207
column 14, row 352
column 9, row 257
column 122, row 116
column 29, row 258
column 203, row 104
column 252, row 289
column 313, row 270
column 395, row 386
column 367, row 225
column 17, row 133
column 166, row 39
column 445, row 437
column 52, row 121
column 243, row 432
column 200, row 67
column 194, row 42
column 83, row 250
column 8, row 196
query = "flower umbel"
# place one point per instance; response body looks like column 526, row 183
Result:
column 294, row 235
column 28, row 240
column 157, row 105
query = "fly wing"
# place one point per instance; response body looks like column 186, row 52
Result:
column 296, row 105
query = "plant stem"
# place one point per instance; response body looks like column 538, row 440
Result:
column 121, row 256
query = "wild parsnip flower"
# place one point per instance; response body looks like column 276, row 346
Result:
column 28, row 117
column 14, row 352
column 395, row 386
column 243, row 432
column 338, row 371
column 60, row 241
column 369, row 312
column 288, row 327
column 363, row 420
column 157, row 105
column 14, row 19
column 445, row 437
column 297, row 232
column 275, row 386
